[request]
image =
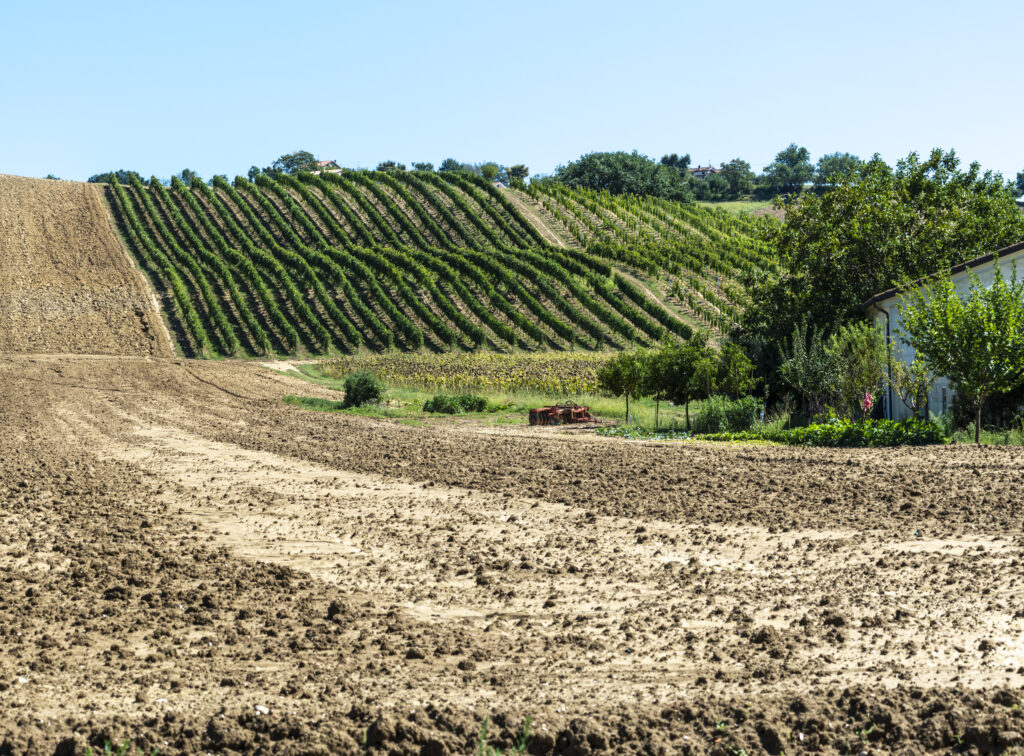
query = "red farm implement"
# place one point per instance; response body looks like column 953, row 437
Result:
column 561, row 414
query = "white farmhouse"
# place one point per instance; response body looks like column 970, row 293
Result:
column 885, row 310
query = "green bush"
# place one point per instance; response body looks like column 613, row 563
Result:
column 839, row 432
column 720, row 415
column 362, row 387
column 453, row 405
column 849, row 433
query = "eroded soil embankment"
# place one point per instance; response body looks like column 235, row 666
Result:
column 199, row 566
column 67, row 286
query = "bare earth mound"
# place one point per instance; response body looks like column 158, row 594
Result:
column 66, row 284
column 188, row 562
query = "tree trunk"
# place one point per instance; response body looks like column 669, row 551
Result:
column 657, row 406
column 627, row 409
column 977, row 424
column 687, row 415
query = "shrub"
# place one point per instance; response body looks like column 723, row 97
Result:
column 849, row 433
column 718, row 414
column 452, row 405
column 838, row 432
column 362, row 387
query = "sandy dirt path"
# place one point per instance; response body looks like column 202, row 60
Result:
column 526, row 206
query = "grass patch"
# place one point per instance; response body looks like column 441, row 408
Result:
column 738, row 207
column 331, row 405
column 405, row 401
column 990, row 436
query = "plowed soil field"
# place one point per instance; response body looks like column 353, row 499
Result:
column 190, row 563
column 66, row 283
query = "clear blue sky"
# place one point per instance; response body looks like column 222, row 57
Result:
column 219, row 86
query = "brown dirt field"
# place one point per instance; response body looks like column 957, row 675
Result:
column 188, row 562
column 66, row 283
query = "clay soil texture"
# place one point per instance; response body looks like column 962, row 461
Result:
column 66, row 283
column 189, row 563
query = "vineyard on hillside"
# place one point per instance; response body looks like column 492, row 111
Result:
column 699, row 251
column 338, row 262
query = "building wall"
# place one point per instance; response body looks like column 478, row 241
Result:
column 941, row 396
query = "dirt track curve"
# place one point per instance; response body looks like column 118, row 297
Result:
column 66, row 283
column 191, row 563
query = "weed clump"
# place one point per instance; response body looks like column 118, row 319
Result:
column 720, row 415
column 457, row 404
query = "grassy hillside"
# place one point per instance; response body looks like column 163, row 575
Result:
column 335, row 263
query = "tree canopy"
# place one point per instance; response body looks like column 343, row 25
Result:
column 625, row 374
column 976, row 341
column 831, row 167
column 873, row 229
column 790, row 170
column 293, row 162
column 122, row 176
column 624, row 173
column 451, row 165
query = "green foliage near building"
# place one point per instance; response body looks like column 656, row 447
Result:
column 837, row 371
column 873, row 229
column 976, row 341
column 293, row 162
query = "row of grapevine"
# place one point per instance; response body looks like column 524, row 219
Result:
column 338, row 262
column 699, row 252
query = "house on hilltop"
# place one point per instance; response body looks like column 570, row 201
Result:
column 328, row 165
column 885, row 311
column 702, row 171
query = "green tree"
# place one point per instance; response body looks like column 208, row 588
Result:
column 838, row 371
column 859, row 354
column 451, row 165
column 808, row 369
column 390, row 166
column 186, row 176
column 1019, row 186
column 872, row 230
column 790, row 170
column 831, row 167
column 490, row 171
column 738, row 175
column 426, row 167
column 735, row 370
column 122, row 176
column 680, row 163
column 624, row 173
column 977, row 341
column 625, row 374
column 293, row 162
column 518, row 172
column 51, row 176
column 688, row 371
column 912, row 382
column 253, row 172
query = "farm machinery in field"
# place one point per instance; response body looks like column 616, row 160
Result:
column 561, row 414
